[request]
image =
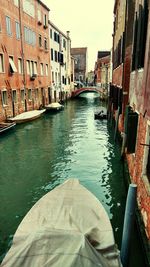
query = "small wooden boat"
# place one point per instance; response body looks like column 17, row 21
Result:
column 100, row 115
column 67, row 227
column 54, row 107
column 27, row 116
column 6, row 126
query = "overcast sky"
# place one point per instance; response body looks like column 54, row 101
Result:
column 90, row 23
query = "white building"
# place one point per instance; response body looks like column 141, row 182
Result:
column 62, row 80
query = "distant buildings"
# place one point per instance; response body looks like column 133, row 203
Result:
column 102, row 73
column 81, row 66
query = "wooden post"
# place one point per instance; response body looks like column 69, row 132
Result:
column 128, row 224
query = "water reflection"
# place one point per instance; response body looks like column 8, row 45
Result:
column 56, row 147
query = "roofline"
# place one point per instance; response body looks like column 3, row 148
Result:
column 43, row 5
column 56, row 28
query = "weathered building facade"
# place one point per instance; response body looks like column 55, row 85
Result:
column 102, row 73
column 62, row 81
column 81, row 66
column 130, row 96
column 24, row 56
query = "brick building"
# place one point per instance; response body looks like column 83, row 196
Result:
column 24, row 56
column 130, row 96
column 81, row 66
column 102, row 73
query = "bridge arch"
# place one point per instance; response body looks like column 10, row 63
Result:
column 79, row 91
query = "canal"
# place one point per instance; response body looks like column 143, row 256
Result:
column 37, row 156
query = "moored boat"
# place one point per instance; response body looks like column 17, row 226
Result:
column 27, row 116
column 100, row 115
column 6, row 126
column 66, row 227
column 54, row 107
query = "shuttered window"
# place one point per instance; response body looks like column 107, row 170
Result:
column 140, row 34
column 131, row 124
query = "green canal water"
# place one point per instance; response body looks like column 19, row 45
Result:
column 37, row 156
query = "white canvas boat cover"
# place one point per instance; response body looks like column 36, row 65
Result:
column 28, row 115
column 68, row 227
column 54, row 105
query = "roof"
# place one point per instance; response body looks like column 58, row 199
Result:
column 78, row 50
column 103, row 54
column 57, row 29
column 40, row 2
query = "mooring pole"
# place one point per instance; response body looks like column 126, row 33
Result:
column 128, row 224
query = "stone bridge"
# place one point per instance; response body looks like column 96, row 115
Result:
column 79, row 91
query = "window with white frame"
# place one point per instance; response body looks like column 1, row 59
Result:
column 22, row 95
column 29, row 94
column 28, row 7
column 12, row 64
column 35, row 67
column 29, row 36
column 46, row 69
column 32, row 67
column 41, row 68
column 28, row 67
column 8, row 25
column 1, row 63
column 4, row 98
column 14, row 96
column 17, row 30
column 20, row 65
column 146, row 161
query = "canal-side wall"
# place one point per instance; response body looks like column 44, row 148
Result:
column 24, row 53
column 134, row 120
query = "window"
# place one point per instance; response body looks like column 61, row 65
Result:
column 22, row 95
column 140, row 34
column 52, row 54
column 30, row 36
column 45, row 44
column 29, row 94
column 64, row 43
column 4, row 98
column 55, row 55
column 28, row 67
column 41, row 68
column 12, row 65
column 8, row 25
column 35, row 67
column 45, row 20
column 17, row 30
column 1, row 63
column 32, row 67
column 28, row 7
column 14, row 96
column 20, row 65
column 40, row 40
column 46, row 70
column 51, row 34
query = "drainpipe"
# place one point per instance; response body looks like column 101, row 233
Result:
column 22, row 55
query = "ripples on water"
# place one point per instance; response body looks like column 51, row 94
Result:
column 36, row 157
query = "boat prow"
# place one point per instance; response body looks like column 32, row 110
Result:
column 66, row 227
column 6, row 126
